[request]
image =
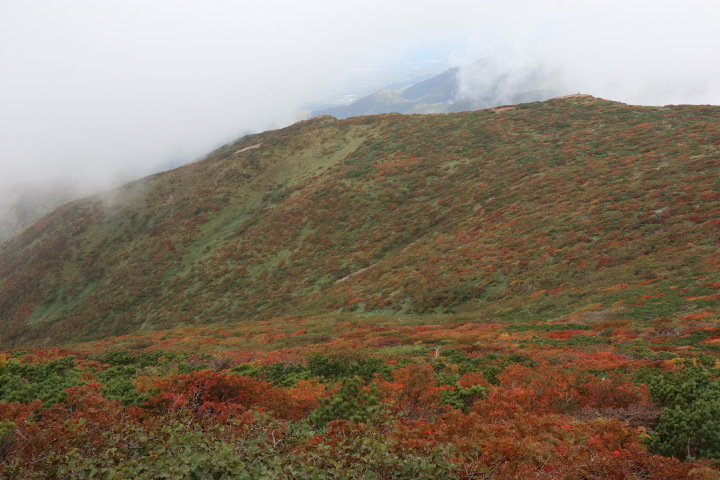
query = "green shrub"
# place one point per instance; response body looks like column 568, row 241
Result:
column 352, row 402
column 344, row 365
column 462, row 398
column 45, row 381
column 281, row 374
column 190, row 452
column 118, row 385
column 690, row 425
column 138, row 359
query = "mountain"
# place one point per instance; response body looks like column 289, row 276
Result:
column 448, row 92
column 565, row 208
column 527, row 291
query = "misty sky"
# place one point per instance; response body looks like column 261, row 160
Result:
column 101, row 89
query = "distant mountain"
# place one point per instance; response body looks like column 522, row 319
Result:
column 448, row 92
column 439, row 89
column 538, row 211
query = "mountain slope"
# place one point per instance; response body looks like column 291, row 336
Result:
column 570, row 207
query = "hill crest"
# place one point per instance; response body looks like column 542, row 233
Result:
column 538, row 211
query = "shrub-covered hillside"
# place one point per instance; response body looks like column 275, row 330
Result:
column 572, row 210
column 527, row 292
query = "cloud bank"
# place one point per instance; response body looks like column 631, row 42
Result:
column 99, row 91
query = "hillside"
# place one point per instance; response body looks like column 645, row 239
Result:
column 525, row 292
column 539, row 212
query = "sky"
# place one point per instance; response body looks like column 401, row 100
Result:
column 102, row 91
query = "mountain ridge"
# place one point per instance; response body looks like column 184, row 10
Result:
column 472, row 212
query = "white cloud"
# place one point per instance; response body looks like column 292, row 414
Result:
column 98, row 88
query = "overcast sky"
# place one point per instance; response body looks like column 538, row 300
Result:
column 99, row 88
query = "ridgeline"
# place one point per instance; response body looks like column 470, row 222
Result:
column 574, row 208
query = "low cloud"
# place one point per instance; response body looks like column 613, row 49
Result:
column 646, row 53
column 106, row 91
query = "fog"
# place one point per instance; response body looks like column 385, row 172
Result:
column 100, row 92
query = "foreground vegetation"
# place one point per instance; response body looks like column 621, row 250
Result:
column 348, row 396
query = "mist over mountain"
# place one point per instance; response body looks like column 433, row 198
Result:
column 23, row 205
column 101, row 90
column 479, row 85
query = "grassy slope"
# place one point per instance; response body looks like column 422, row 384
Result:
column 574, row 208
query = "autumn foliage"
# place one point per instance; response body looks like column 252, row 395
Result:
column 442, row 413
column 528, row 293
